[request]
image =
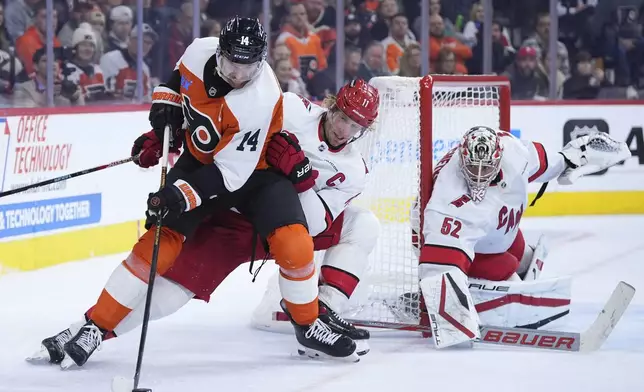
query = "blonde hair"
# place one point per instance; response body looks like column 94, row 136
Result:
column 329, row 101
column 474, row 9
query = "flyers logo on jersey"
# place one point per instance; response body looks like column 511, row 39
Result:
column 203, row 132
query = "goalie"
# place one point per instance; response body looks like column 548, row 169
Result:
column 471, row 221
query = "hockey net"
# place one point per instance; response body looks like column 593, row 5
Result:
column 420, row 119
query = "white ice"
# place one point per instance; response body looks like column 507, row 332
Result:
column 212, row 346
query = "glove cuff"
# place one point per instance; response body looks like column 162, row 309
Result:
column 190, row 195
column 165, row 95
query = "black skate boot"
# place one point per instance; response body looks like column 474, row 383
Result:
column 51, row 348
column 318, row 340
column 340, row 325
column 80, row 347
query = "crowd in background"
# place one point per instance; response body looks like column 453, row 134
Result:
column 600, row 52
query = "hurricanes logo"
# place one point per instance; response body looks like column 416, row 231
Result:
column 203, row 132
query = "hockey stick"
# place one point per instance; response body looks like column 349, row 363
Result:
column 589, row 340
column 122, row 384
column 67, row 176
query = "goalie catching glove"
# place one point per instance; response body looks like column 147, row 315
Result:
column 285, row 154
column 589, row 154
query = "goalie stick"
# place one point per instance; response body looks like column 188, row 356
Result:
column 588, row 340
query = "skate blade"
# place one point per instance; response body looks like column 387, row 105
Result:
column 362, row 346
column 40, row 356
column 314, row 354
column 67, row 363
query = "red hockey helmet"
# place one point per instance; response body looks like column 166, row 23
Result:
column 359, row 101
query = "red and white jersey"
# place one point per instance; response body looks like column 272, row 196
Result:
column 119, row 71
column 89, row 78
column 342, row 172
column 455, row 228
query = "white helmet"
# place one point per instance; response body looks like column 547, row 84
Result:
column 480, row 157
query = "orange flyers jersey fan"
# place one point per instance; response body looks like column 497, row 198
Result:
column 456, row 228
column 89, row 78
column 119, row 71
column 307, row 54
column 227, row 127
column 342, row 172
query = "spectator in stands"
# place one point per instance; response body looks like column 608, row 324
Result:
column 96, row 20
column 574, row 21
column 306, row 49
column 539, row 41
column 19, row 15
column 473, row 26
column 398, row 39
column 281, row 52
column 446, row 63
column 77, row 16
column 629, row 71
column 11, row 72
column 544, row 68
column 33, row 93
column 586, row 79
column 410, row 61
column 34, row 37
column 373, row 63
column 119, row 66
column 438, row 41
column 5, row 40
column 502, row 55
column 180, row 33
column 324, row 84
column 120, row 27
column 386, row 11
column 319, row 14
column 210, row 28
column 525, row 81
column 435, row 9
column 354, row 35
column 288, row 81
column 82, row 68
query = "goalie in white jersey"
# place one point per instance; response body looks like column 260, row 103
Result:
column 471, row 221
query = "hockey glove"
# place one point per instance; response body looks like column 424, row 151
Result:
column 589, row 154
column 173, row 200
column 285, row 154
column 149, row 147
column 166, row 110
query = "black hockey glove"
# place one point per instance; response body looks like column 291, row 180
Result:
column 173, row 200
column 166, row 110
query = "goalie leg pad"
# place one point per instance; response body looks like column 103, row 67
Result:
column 453, row 318
column 532, row 304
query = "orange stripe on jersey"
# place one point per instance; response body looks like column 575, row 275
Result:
column 277, row 123
column 230, row 125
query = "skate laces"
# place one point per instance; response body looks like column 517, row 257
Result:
column 63, row 337
column 338, row 319
column 91, row 338
column 322, row 332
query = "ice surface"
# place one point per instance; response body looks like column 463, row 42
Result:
column 212, row 346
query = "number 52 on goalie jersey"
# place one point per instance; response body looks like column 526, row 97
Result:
column 227, row 127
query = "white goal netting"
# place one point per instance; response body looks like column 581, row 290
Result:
column 393, row 152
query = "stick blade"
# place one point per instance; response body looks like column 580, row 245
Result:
column 122, row 384
column 595, row 336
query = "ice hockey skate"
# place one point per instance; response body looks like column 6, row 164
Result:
column 318, row 340
column 339, row 325
column 81, row 346
column 52, row 348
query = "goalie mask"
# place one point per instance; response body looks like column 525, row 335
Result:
column 480, row 159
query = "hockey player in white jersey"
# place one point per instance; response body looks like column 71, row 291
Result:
column 471, row 222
